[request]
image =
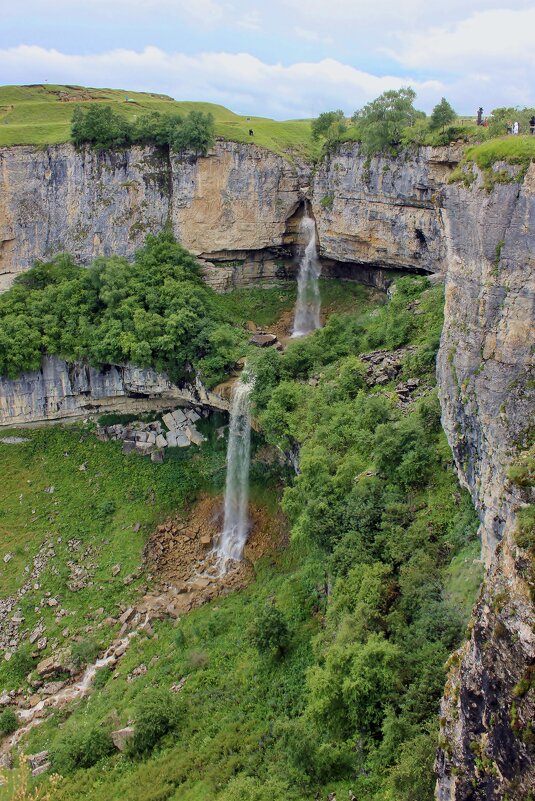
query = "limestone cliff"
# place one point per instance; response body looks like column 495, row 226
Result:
column 237, row 208
column 234, row 201
column 486, row 383
column 62, row 390
column 380, row 211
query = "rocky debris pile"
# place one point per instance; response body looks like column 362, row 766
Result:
column 408, row 390
column 10, row 635
column 151, row 439
column 384, row 366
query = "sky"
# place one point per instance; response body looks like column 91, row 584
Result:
column 285, row 59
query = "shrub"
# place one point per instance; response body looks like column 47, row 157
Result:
column 155, row 717
column 84, row 652
column 100, row 126
column 81, row 748
column 8, row 722
column 269, row 632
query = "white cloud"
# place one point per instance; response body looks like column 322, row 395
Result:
column 313, row 36
column 485, row 40
column 241, row 81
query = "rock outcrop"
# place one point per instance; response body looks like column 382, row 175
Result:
column 486, row 383
column 61, row 390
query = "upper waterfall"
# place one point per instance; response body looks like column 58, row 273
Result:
column 308, row 304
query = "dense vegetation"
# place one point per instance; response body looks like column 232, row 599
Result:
column 155, row 311
column 391, row 122
column 325, row 674
column 104, row 128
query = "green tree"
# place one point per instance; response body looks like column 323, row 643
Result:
column 382, row 121
column 101, row 127
column 155, row 717
column 329, row 125
column 196, row 133
column 442, row 115
column 269, row 632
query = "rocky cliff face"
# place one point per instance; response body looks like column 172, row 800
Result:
column 486, row 382
column 60, row 391
column 380, row 211
column 238, row 208
column 233, row 202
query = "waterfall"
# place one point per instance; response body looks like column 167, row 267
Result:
column 307, row 307
column 236, row 523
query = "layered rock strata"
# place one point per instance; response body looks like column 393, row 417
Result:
column 61, row 390
column 238, row 208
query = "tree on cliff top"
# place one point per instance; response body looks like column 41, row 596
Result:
column 100, row 126
column 442, row 115
column 329, row 125
column 381, row 122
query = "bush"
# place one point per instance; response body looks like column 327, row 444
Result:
column 155, row 717
column 155, row 312
column 84, row 652
column 81, row 748
column 8, row 722
column 381, row 122
column 269, row 633
column 103, row 128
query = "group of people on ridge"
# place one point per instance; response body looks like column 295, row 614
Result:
column 512, row 127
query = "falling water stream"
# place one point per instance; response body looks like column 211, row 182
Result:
column 308, row 304
column 236, row 521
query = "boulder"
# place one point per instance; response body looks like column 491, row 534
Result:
column 116, row 569
column 157, row 457
column 121, row 737
column 193, row 435
column 192, row 415
column 182, row 440
column 263, row 340
column 161, row 441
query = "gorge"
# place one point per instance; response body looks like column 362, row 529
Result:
column 245, row 213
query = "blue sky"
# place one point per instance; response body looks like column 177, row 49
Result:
column 284, row 58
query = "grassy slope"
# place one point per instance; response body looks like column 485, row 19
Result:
column 35, row 115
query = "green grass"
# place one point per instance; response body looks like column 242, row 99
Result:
column 512, row 150
column 98, row 506
column 35, row 115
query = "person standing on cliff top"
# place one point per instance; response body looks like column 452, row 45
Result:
column 480, row 115
column 516, row 128
column 532, row 125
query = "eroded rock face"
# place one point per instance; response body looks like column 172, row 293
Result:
column 485, row 374
column 62, row 390
column 380, row 211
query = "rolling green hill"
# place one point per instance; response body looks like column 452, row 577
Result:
column 41, row 115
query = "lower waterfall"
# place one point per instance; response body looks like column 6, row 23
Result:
column 236, row 521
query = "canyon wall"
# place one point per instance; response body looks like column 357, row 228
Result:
column 237, row 208
column 486, row 380
column 62, row 391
